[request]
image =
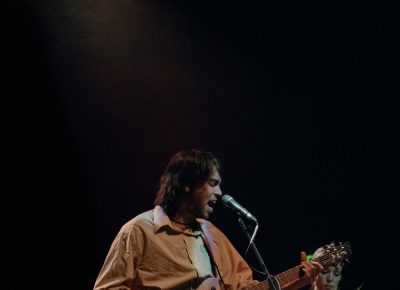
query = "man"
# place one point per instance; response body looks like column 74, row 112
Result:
column 173, row 246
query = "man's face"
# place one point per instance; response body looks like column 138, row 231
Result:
column 205, row 197
column 329, row 279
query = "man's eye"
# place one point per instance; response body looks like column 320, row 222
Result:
column 213, row 182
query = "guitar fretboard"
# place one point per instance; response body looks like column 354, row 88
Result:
column 288, row 276
column 283, row 279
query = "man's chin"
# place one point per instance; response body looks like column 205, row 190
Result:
column 206, row 215
column 207, row 212
column 203, row 215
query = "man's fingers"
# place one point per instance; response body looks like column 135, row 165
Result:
column 303, row 256
column 318, row 265
column 311, row 270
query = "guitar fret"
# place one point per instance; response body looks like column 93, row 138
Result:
column 285, row 277
column 295, row 272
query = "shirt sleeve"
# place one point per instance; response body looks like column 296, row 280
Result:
column 234, row 270
column 238, row 275
column 118, row 271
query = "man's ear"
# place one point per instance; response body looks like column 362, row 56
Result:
column 186, row 188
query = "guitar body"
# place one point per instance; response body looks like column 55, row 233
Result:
column 211, row 284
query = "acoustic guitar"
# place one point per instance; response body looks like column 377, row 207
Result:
column 332, row 256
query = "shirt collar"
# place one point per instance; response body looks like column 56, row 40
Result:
column 161, row 220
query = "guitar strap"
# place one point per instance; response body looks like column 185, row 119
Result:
column 210, row 254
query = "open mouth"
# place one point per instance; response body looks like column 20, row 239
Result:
column 212, row 203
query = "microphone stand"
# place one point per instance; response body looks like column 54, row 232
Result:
column 272, row 281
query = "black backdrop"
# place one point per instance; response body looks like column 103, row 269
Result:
column 285, row 94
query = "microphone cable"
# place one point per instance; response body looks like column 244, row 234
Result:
column 245, row 229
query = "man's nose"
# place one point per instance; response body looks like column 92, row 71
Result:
column 217, row 190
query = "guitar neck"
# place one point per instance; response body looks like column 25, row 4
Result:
column 288, row 276
column 283, row 278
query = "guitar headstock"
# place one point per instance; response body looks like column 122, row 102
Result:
column 335, row 255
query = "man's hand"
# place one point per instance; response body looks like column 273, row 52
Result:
column 311, row 269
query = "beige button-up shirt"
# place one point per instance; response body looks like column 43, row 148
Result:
column 149, row 253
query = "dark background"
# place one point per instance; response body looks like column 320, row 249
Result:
column 286, row 94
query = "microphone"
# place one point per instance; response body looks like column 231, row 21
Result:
column 229, row 202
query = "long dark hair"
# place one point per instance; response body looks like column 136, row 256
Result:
column 189, row 168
